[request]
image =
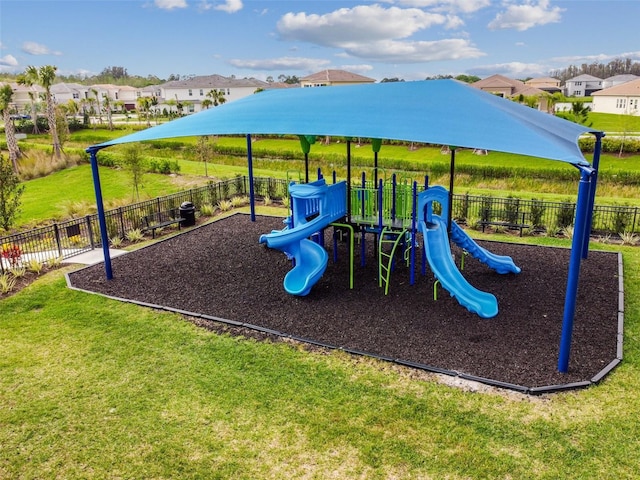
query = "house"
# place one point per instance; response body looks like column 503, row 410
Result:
column 582, row 86
column 192, row 91
column 513, row 89
column 327, row 78
column 546, row 84
column 623, row 99
column 63, row 92
column 24, row 96
column 618, row 80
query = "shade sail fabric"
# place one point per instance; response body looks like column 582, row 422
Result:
column 442, row 112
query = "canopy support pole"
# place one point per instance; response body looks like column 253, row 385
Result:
column 452, row 168
column 252, row 197
column 348, row 180
column 102, row 221
column 580, row 229
column 592, row 194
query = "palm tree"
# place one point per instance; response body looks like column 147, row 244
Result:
column 44, row 76
column 206, row 103
column 144, row 105
column 217, row 97
column 107, row 106
column 98, row 106
column 33, row 96
column 6, row 97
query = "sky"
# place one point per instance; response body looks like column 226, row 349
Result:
column 407, row 39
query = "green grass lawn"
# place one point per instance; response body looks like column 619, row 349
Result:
column 94, row 388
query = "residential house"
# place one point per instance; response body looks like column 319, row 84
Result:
column 24, row 96
column 623, row 99
column 192, row 91
column 582, row 86
column 327, row 78
column 513, row 89
column 618, row 80
column 546, row 84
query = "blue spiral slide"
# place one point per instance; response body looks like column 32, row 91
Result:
column 438, row 251
column 328, row 202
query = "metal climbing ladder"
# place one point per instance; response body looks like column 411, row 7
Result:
column 391, row 239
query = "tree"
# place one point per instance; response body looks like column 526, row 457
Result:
column 6, row 97
column 144, row 105
column 34, row 112
column 217, row 97
column 107, row 106
column 10, row 193
column 44, row 76
column 204, row 151
column 98, row 105
column 136, row 166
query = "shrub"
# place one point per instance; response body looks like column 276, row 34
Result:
column 135, row 235
column 224, row 205
column 34, row 265
column 12, row 253
column 565, row 214
column 536, row 213
column 206, row 209
column 7, row 283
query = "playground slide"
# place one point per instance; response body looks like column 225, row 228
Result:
column 438, row 252
column 499, row 263
column 310, row 258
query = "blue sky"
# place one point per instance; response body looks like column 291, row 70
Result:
column 409, row 39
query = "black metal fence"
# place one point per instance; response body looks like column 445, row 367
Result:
column 72, row 237
column 66, row 239
column 541, row 215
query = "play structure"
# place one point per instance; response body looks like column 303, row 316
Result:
column 394, row 213
column 436, row 112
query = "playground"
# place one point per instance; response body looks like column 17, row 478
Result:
column 220, row 271
column 520, row 298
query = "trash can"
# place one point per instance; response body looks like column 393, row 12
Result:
column 187, row 214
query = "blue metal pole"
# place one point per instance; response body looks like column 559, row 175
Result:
column 252, row 198
column 414, row 208
column 574, row 268
column 592, row 194
column 104, row 234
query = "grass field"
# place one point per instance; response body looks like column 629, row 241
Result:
column 93, row 388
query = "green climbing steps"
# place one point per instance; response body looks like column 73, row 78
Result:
column 387, row 246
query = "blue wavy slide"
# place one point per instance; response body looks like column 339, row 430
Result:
column 438, row 252
column 329, row 203
column 310, row 258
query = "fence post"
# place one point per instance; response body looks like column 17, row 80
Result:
column 121, row 217
column 90, row 231
column 56, row 233
column 635, row 215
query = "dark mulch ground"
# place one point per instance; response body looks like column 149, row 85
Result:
column 221, row 270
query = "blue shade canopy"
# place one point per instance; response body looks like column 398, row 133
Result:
column 442, row 112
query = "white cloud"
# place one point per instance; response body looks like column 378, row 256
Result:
column 363, row 23
column 8, row 61
column 33, row 48
column 527, row 15
column 391, row 51
column 280, row 64
column 462, row 6
column 375, row 33
column 361, row 68
column 512, row 70
column 170, row 4
column 230, row 6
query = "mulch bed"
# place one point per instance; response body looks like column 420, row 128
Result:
column 220, row 270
